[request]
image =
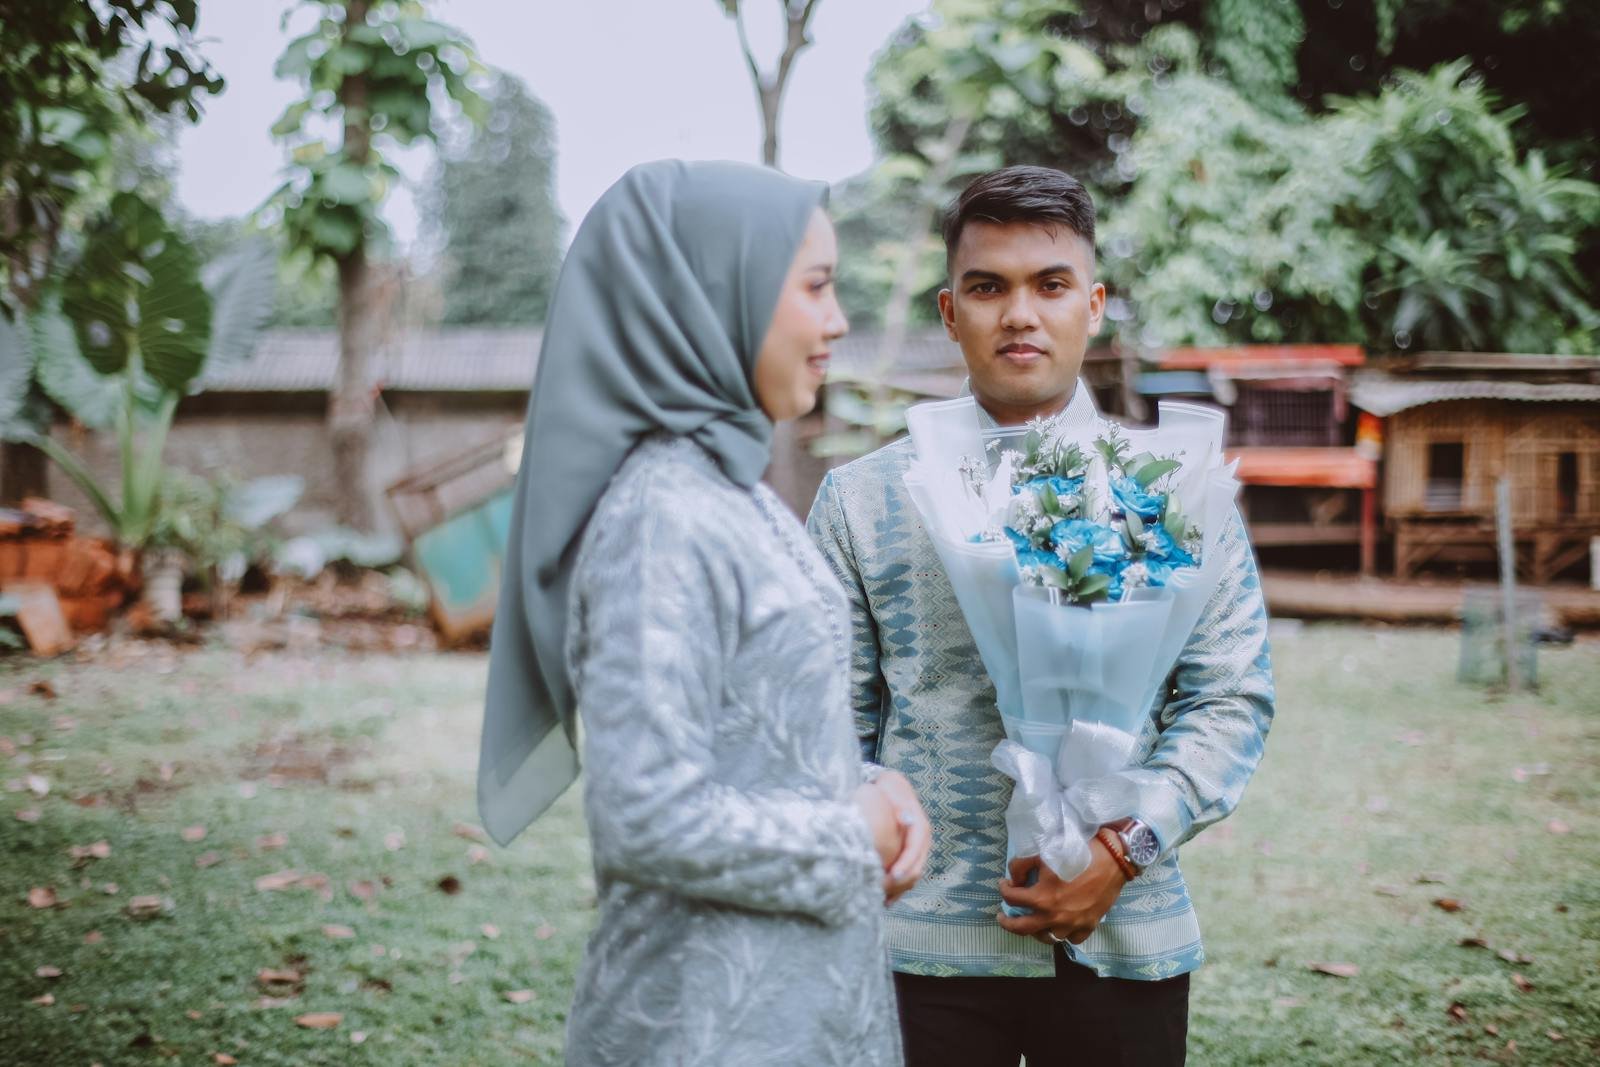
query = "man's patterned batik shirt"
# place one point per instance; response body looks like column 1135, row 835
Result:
column 925, row 707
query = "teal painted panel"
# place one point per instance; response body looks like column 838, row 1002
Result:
column 460, row 558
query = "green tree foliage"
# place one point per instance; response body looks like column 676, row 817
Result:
column 383, row 73
column 1405, row 220
column 66, row 88
column 1234, row 211
column 79, row 83
column 495, row 204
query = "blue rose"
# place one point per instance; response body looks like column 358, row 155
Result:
column 1070, row 535
column 1160, row 546
column 1133, row 499
column 1062, row 486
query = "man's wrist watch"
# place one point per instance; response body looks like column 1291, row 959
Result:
column 1139, row 843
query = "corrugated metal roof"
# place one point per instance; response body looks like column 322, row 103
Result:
column 1384, row 394
column 488, row 360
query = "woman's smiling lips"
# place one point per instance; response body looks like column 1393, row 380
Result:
column 1020, row 354
column 819, row 363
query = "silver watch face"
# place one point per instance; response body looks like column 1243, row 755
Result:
column 1142, row 845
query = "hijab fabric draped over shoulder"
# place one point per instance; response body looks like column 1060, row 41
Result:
column 662, row 304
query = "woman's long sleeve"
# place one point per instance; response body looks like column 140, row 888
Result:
column 658, row 610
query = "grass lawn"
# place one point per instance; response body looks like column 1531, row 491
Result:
column 296, row 829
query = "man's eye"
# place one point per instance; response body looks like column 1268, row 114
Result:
column 986, row 287
column 1053, row 286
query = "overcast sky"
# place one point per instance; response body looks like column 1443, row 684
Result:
column 628, row 81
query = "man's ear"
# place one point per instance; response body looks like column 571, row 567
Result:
column 947, row 313
column 1097, row 308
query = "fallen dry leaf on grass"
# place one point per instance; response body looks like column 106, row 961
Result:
column 223, row 1059
column 337, row 932
column 268, row 976
column 544, row 932
column 42, row 896
column 1556, row 826
column 519, row 996
column 491, row 931
column 357, row 1036
column 471, row 833
column 1338, row 970
column 192, row 834
column 319, row 1020
column 1473, row 942
column 1520, row 982
column 477, row 854
column 275, row 840
column 1492, row 1030
column 450, row 885
column 1430, row 878
column 38, row 785
column 1387, row 890
column 207, row 859
column 42, row 688
column 1450, row 904
column 44, row 1001
column 29, row 815
column 363, row 890
column 93, row 937
column 394, row 841
column 277, row 880
column 1555, row 1035
column 1458, row 1012
column 144, row 907
column 82, row 853
column 1514, row 957
column 47, row 972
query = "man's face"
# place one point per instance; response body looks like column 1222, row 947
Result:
column 1022, row 305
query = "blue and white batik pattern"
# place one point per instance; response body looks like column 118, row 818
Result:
column 740, row 896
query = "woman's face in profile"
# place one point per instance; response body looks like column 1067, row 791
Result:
column 793, row 360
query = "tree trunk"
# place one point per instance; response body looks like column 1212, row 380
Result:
column 897, row 313
column 351, row 406
column 769, row 88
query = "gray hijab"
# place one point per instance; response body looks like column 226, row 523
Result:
column 663, row 302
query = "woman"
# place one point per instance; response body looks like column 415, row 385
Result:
column 656, row 592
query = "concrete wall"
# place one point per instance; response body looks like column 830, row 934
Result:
column 278, row 435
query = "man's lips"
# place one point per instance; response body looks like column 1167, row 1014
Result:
column 1021, row 353
column 819, row 363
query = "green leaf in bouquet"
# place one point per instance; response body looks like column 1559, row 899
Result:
column 1134, row 462
column 1147, row 473
column 1055, row 578
column 1092, row 588
column 1078, row 565
column 1049, row 502
column 1175, row 523
column 1069, row 460
column 1030, row 446
column 1135, row 525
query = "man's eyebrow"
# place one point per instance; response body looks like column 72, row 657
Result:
column 826, row 268
column 975, row 274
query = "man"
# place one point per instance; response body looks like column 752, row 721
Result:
column 1098, row 973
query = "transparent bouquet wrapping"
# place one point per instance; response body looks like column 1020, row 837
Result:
column 1074, row 685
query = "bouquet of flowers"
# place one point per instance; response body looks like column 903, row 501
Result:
column 1082, row 555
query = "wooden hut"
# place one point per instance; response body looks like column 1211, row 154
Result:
column 1455, row 423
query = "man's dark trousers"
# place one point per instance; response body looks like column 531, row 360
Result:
column 1074, row 1019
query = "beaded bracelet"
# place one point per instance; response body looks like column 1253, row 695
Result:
column 1108, row 837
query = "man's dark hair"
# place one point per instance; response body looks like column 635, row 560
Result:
column 1023, row 193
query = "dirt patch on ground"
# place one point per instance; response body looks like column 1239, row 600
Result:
column 301, row 759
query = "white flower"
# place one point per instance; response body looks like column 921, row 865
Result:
column 1023, row 515
column 1135, row 575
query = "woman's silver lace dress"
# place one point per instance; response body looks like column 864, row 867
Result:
column 740, row 896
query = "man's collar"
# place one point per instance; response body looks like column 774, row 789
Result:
column 1080, row 414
